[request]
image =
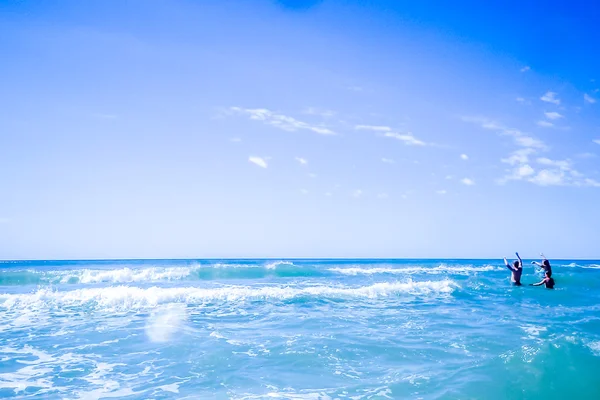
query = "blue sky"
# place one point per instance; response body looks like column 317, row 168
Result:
column 299, row 129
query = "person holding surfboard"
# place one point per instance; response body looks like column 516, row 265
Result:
column 517, row 270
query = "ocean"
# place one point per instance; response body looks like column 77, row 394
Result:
column 297, row 329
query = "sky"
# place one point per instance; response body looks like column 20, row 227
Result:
column 263, row 128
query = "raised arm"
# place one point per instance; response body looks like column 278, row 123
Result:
column 537, row 263
column 519, row 257
column 508, row 264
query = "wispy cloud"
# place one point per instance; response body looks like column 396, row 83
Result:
column 553, row 115
column 304, row 191
column 382, row 196
column 550, row 97
column 520, row 138
column 550, row 173
column 520, row 156
column 235, row 140
column 319, row 112
column 281, row 121
column 376, row 128
column 464, row 157
column 597, row 141
column 388, row 161
column 407, row 138
column 467, row 181
column 522, row 100
column 357, row 193
column 540, row 171
column 302, row 161
column 545, row 124
column 525, row 68
column 311, row 175
column 588, row 99
column 441, row 192
column 258, row 161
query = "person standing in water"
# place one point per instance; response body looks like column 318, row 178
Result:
column 517, row 270
column 548, row 281
column 545, row 264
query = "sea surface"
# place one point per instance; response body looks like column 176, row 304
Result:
column 297, row 329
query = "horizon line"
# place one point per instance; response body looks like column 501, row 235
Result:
column 282, row 259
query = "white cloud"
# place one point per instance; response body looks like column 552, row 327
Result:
column 357, row 193
column 548, row 178
column 441, row 192
column 524, row 170
column 553, row 173
column 561, row 164
column 373, row 128
column 588, row 99
column 281, row 121
column 467, row 181
column 525, row 68
column 591, row 182
column 407, row 138
column 550, row 97
column 545, row 124
column 528, row 141
column 311, row 175
column 328, row 194
column 449, row 177
column 235, row 140
column 382, row 196
column 519, row 137
column 522, row 100
column 301, row 160
column 303, row 191
column 388, row 161
column 319, row 112
column 258, row 161
column 464, row 157
column 597, row 141
column 553, row 115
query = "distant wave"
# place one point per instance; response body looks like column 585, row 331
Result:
column 156, row 274
column 442, row 269
column 133, row 297
column 587, row 266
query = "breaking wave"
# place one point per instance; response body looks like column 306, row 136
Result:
column 127, row 297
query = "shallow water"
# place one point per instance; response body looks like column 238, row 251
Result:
column 316, row 329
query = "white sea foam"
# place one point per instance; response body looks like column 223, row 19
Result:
column 275, row 264
column 442, row 269
column 166, row 321
column 124, row 275
column 595, row 347
column 126, row 297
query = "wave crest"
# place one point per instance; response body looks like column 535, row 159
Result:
column 127, row 297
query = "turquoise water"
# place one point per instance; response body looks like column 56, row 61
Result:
column 297, row 329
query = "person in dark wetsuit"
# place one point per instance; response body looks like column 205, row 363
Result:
column 548, row 281
column 545, row 264
column 516, row 269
